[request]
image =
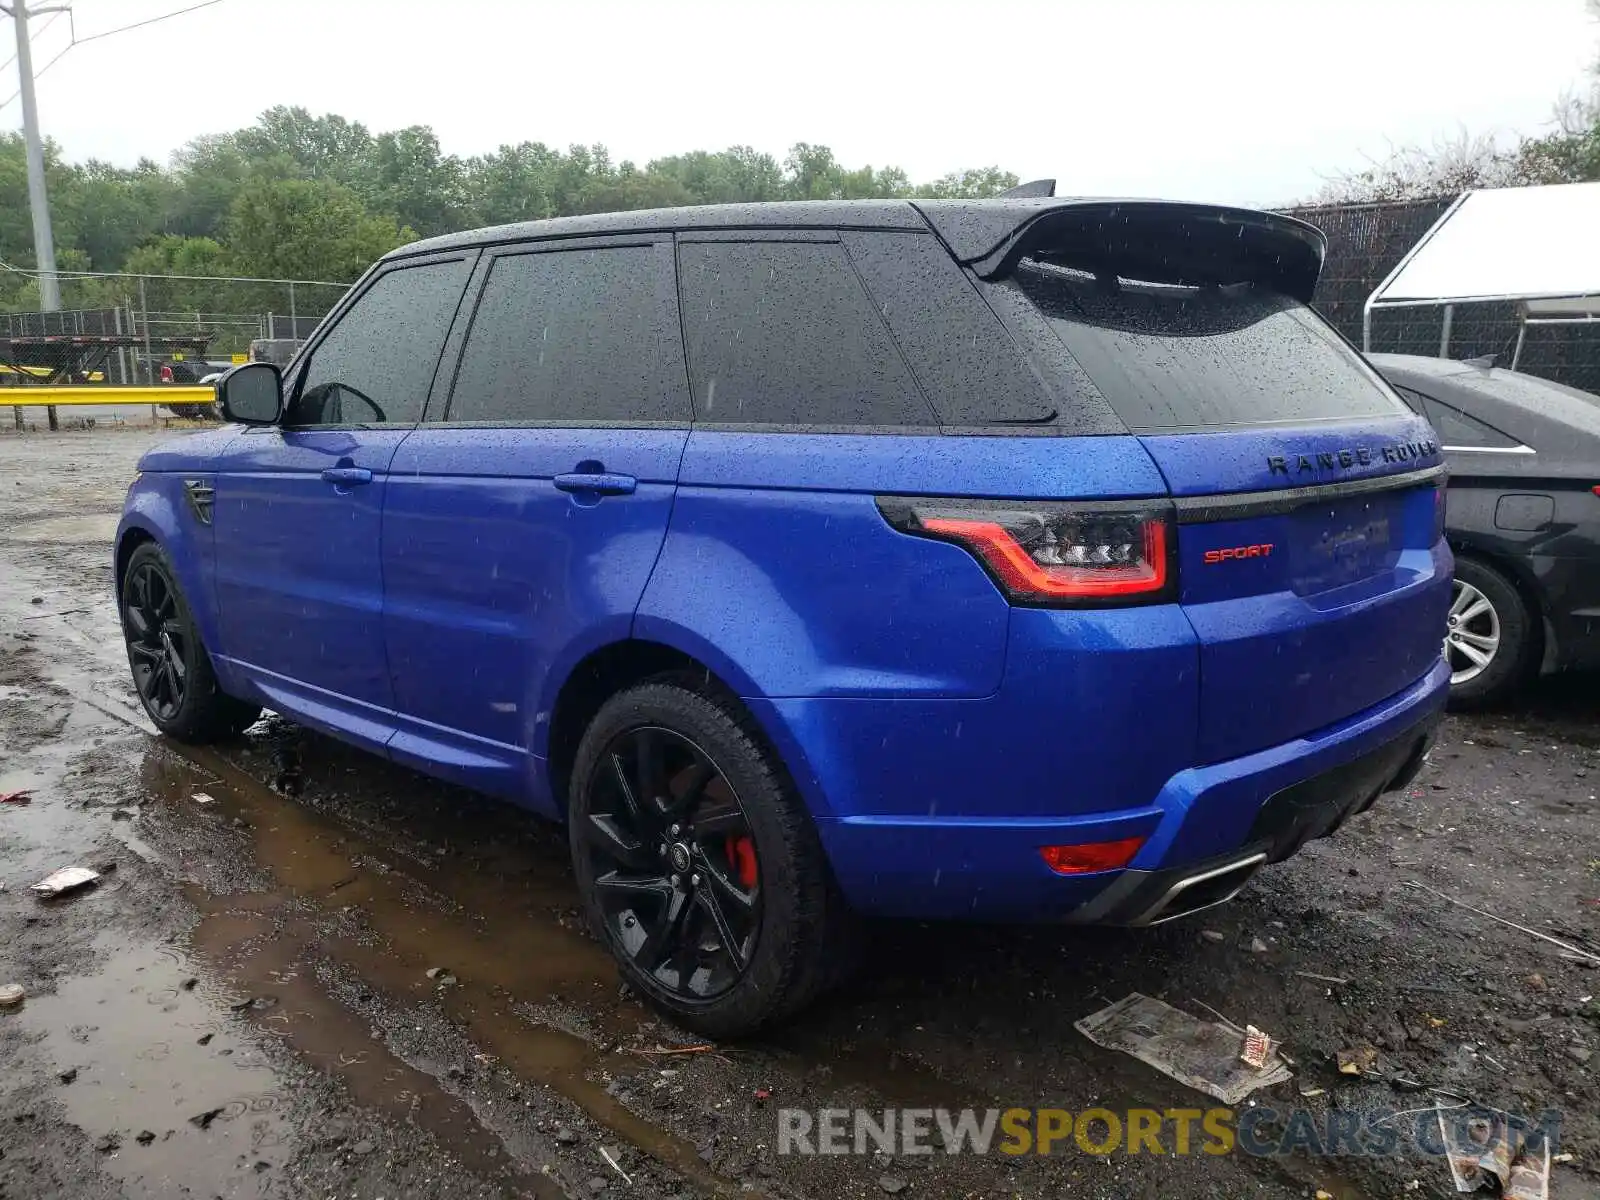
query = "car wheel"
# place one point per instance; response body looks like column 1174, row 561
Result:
column 1492, row 639
column 698, row 865
column 171, row 670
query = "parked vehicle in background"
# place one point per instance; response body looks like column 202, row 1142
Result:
column 179, row 371
column 1016, row 559
column 1523, row 518
column 277, row 351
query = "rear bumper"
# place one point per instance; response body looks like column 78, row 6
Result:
column 1571, row 589
column 1206, row 830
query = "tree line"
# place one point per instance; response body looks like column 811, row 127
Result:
column 298, row 196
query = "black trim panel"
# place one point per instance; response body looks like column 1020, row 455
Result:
column 1198, row 510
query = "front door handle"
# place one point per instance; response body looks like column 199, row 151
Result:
column 597, row 483
column 347, row 476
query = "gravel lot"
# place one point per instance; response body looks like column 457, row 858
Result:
column 243, row 1006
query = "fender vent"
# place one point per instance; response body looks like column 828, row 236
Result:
column 201, row 498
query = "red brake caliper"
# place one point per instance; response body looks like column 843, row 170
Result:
column 741, row 851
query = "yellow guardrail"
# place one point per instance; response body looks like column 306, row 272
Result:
column 40, row 396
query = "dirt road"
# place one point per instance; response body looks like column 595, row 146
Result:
column 243, row 1006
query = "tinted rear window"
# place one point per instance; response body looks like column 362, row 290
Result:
column 1172, row 359
column 781, row 333
column 575, row 336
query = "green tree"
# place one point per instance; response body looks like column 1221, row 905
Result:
column 105, row 211
column 307, row 229
column 180, row 256
column 969, row 185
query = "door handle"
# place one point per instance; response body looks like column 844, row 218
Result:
column 347, row 476
column 597, row 483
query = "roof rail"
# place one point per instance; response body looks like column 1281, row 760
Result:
column 1028, row 191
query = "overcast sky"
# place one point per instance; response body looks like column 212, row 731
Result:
column 1253, row 101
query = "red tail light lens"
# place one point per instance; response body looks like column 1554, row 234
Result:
column 1054, row 554
column 166, row 373
column 1090, row 856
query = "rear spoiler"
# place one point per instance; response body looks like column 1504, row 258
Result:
column 1152, row 240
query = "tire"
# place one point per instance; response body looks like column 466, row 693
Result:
column 172, row 672
column 791, row 928
column 1485, row 608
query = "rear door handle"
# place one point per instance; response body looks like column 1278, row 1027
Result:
column 597, row 483
column 347, row 476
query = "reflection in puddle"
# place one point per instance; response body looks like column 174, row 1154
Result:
column 169, row 1115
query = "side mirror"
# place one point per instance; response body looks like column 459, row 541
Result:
column 251, row 394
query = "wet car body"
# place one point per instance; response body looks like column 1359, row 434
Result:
column 1023, row 603
column 1524, row 458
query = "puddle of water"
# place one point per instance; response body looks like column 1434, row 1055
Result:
column 131, row 1032
column 263, row 954
column 502, row 943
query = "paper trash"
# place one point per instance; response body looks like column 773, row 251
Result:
column 1202, row 1054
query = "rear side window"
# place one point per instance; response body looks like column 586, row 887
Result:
column 1456, row 429
column 1183, row 359
column 781, row 333
column 969, row 366
column 575, row 336
column 376, row 365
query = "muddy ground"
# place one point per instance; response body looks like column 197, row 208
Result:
column 242, row 1007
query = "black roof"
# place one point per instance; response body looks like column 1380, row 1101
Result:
column 1166, row 240
column 791, row 214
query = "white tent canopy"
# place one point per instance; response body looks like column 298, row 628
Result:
column 1566, row 308
column 1533, row 244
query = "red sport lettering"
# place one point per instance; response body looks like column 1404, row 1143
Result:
column 1230, row 553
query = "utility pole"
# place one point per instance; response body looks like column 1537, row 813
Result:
column 44, row 246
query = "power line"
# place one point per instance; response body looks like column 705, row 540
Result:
column 51, row 20
column 95, row 37
column 39, row 72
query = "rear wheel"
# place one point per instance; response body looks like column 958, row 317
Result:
column 697, row 864
column 1492, row 640
column 171, row 670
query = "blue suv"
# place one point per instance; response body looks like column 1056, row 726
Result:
column 1027, row 559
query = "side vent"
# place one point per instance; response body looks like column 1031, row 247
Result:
column 201, row 498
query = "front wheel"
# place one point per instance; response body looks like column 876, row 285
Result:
column 1492, row 638
column 171, row 670
column 698, row 865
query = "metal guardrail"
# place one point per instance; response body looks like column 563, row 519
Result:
column 167, row 395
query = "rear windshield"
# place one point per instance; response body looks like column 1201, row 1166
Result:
column 1170, row 358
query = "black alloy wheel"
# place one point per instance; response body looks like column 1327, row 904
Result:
column 674, row 863
column 158, row 640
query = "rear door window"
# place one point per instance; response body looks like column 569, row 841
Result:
column 1171, row 358
column 584, row 336
column 781, row 333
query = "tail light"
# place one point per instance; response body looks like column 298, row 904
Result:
column 1047, row 553
column 166, row 373
column 1087, row 857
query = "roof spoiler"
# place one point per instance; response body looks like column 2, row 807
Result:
column 1152, row 240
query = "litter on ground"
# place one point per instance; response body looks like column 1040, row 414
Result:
column 1205, row 1055
column 67, row 879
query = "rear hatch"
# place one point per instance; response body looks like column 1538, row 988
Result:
column 1308, row 498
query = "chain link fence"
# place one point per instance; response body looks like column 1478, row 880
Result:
column 1367, row 241
column 155, row 321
